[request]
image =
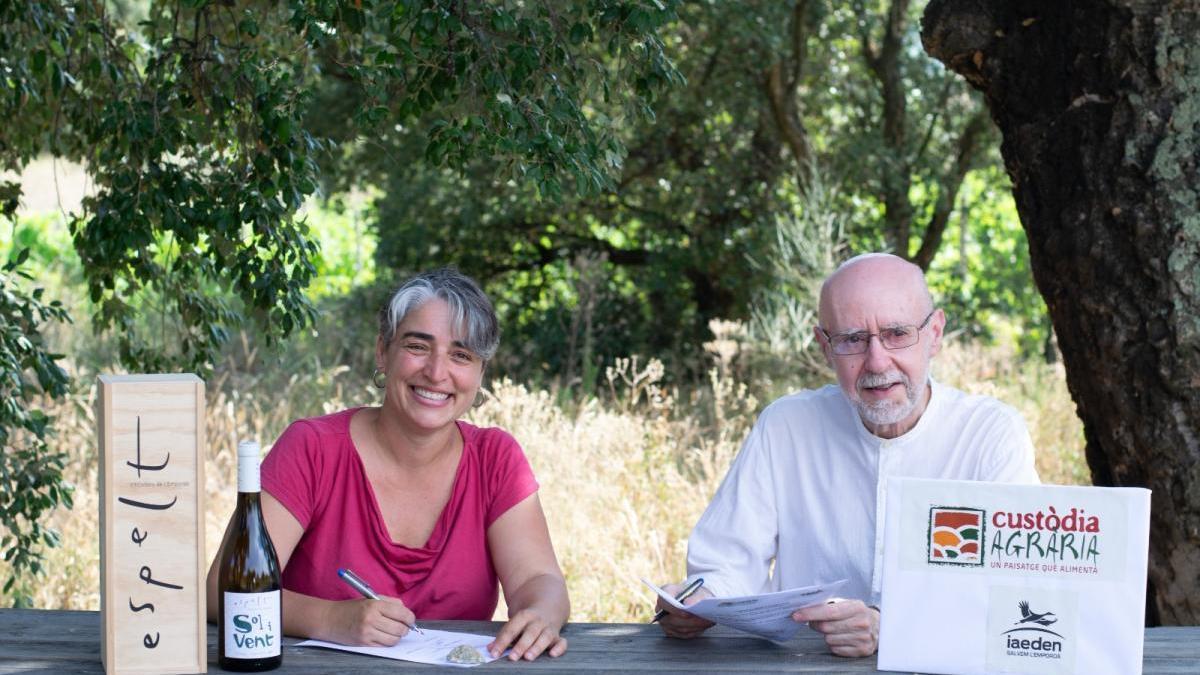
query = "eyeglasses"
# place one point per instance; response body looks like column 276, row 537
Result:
column 892, row 337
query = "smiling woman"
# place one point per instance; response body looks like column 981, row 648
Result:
column 431, row 353
column 432, row 512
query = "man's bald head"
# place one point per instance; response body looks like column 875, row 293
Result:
column 868, row 271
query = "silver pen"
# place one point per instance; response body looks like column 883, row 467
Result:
column 364, row 589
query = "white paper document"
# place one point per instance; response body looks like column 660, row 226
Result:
column 768, row 615
column 430, row 647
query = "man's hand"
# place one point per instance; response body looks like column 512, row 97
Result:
column 678, row 623
column 849, row 626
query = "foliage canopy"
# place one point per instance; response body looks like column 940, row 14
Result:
column 193, row 119
column 792, row 114
column 195, row 126
column 618, row 173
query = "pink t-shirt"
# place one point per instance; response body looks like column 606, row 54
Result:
column 315, row 471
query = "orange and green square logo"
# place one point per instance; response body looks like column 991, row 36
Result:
column 956, row 535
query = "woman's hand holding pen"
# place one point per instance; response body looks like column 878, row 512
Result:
column 376, row 620
column 372, row 623
column 680, row 624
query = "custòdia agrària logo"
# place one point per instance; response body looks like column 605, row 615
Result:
column 956, row 535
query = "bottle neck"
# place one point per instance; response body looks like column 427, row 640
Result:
column 250, row 500
column 248, row 474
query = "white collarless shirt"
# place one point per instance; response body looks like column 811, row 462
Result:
column 807, row 489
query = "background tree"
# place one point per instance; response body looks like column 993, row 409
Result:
column 900, row 131
column 529, row 143
column 787, row 107
column 31, row 482
column 671, row 237
column 1098, row 102
column 193, row 125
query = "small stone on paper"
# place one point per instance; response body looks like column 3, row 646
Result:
column 464, row 654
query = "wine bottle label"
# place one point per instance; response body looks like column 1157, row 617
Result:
column 253, row 625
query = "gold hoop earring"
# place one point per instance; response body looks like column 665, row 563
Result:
column 379, row 379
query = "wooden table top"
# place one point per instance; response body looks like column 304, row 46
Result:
column 56, row 641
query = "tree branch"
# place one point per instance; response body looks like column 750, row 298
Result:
column 789, row 126
column 870, row 56
column 799, row 42
column 933, row 120
column 781, row 93
column 567, row 248
column 896, row 178
column 968, row 147
column 894, row 99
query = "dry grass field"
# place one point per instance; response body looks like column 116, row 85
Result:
column 623, row 476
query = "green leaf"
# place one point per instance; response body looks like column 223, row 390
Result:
column 248, row 25
column 580, row 33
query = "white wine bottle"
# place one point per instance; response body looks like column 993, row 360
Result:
column 251, row 611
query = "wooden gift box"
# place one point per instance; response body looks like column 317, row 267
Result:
column 152, row 577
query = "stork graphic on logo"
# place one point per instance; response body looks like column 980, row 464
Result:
column 1034, row 622
column 1028, row 616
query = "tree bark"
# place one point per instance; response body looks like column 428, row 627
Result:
column 1099, row 106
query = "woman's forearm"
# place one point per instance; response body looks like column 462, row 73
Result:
column 545, row 594
column 307, row 616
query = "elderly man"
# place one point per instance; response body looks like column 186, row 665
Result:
column 806, row 492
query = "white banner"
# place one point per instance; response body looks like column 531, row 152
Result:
column 999, row 578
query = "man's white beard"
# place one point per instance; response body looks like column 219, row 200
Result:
column 885, row 413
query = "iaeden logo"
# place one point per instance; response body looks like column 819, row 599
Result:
column 1031, row 637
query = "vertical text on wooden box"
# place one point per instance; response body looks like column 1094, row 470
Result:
column 152, row 590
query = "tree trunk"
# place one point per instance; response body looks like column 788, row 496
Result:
column 897, row 167
column 1099, row 106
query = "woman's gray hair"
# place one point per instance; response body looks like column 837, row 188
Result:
column 470, row 308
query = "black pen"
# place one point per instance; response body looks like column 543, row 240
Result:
column 683, row 595
column 365, row 590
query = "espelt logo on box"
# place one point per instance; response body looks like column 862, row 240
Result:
column 956, row 535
